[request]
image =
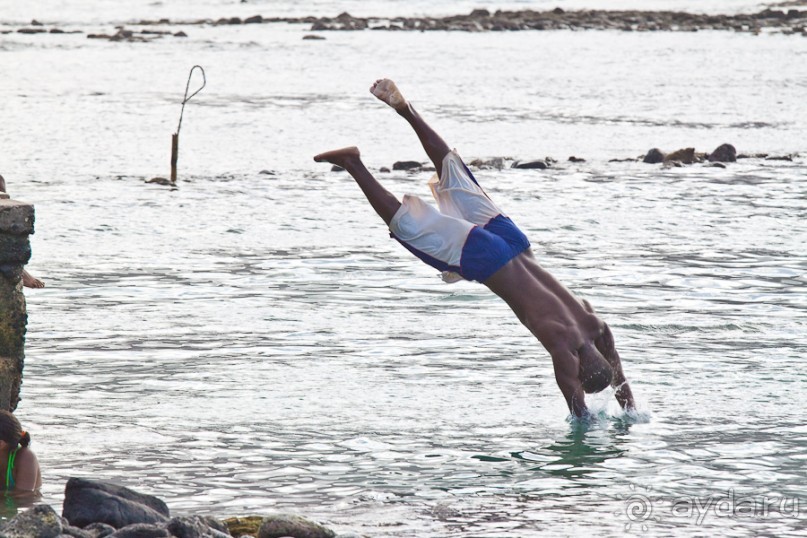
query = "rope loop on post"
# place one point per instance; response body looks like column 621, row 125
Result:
column 188, row 97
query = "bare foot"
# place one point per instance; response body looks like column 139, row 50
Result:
column 340, row 157
column 30, row 281
column 386, row 90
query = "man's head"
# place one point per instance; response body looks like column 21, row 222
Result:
column 595, row 373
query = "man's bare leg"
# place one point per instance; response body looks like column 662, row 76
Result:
column 384, row 202
column 436, row 148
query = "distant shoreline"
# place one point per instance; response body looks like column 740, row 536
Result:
column 781, row 21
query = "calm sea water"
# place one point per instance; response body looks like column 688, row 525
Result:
column 255, row 342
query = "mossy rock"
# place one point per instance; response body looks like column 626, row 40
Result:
column 244, row 526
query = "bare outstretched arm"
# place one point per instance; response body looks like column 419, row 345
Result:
column 567, row 367
column 623, row 394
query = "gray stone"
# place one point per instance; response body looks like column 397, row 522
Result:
column 88, row 501
column 654, row 156
column 282, row 525
column 406, row 165
column 724, row 153
column 75, row 532
column 99, row 530
column 531, row 165
column 141, row 530
column 195, row 527
column 38, row 522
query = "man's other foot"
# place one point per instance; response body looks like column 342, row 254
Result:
column 386, row 90
column 340, row 157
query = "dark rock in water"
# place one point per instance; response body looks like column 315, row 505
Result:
column 56, row 31
column 384, row 170
column 180, row 34
column 141, row 530
column 717, row 165
column 39, row 522
column 574, row 159
column 255, row 19
column 314, row 37
column 161, row 181
column 496, row 163
column 479, row 13
column 234, row 20
column 654, row 156
column 672, row 164
column 406, row 165
column 35, row 22
column 267, row 173
column 684, row 156
column 196, row 527
column 91, row 501
column 100, row 530
column 752, row 156
column 280, row 525
column 531, row 165
column 779, row 158
column 31, row 31
column 337, row 168
column 725, row 153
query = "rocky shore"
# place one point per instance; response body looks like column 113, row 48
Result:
column 785, row 21
column 102, row 509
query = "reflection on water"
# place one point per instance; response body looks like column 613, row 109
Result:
column 12, row 503
column 255, row 342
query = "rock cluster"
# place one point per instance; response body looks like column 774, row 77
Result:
column 101, row 509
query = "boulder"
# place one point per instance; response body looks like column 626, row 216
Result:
column 196, row 527
column 255, row 19
column 75, row 532
column 574, row 159
column 91, row 501
column 654, row 156
column 684, row 156
column 38, row 522
column 142, row 530
column 99, row 530
column 406, row 165
column 531, row 165
column 282, row 525
column 725, row 153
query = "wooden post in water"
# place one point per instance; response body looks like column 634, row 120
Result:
column 174, row 156
column 16, row 223
column 175, row 136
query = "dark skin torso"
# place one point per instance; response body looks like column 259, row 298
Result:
column 561, row 322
